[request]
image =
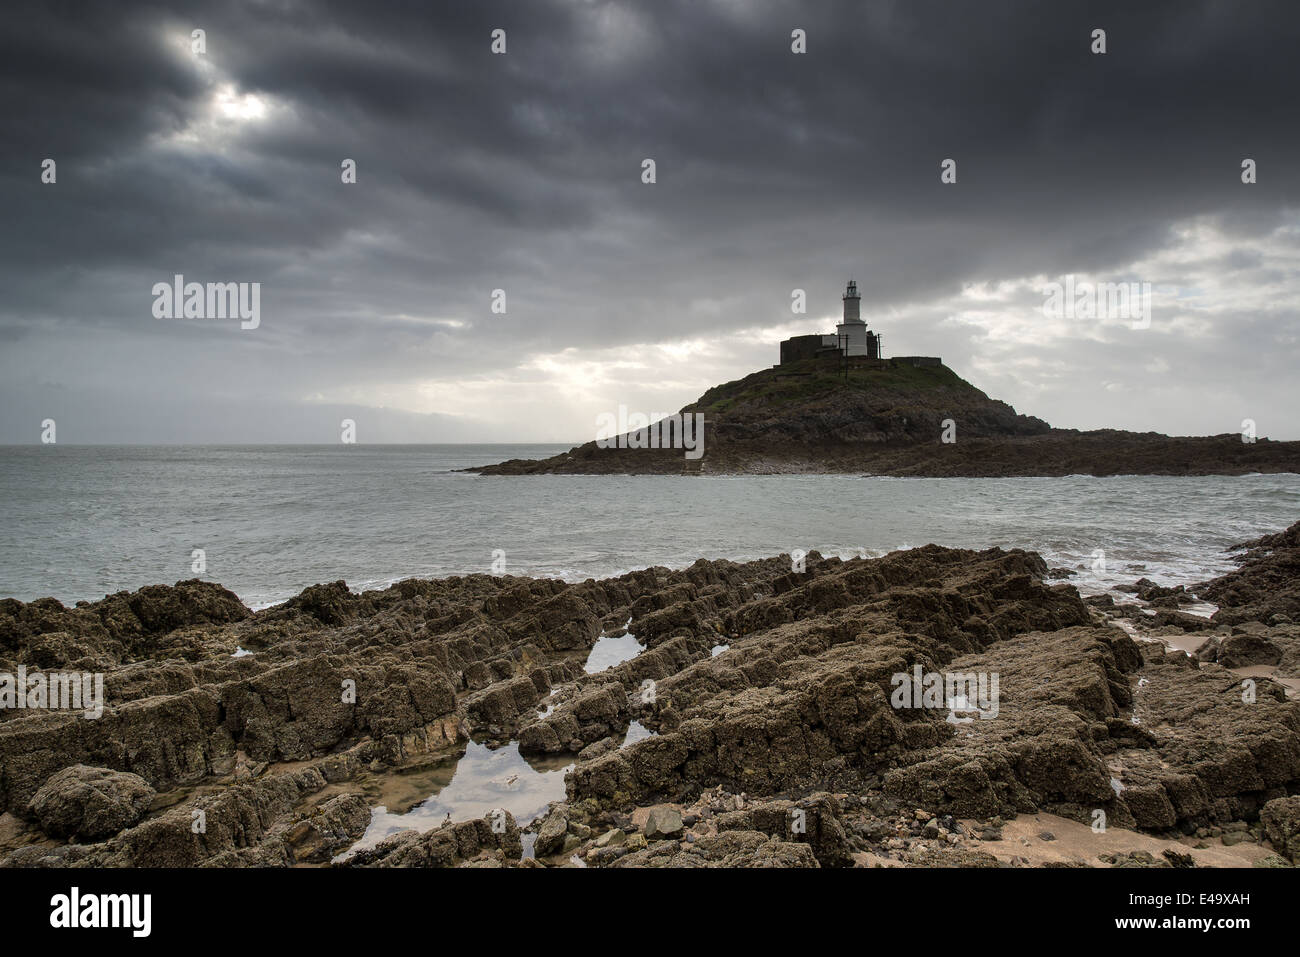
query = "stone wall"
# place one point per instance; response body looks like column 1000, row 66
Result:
column 805, row 347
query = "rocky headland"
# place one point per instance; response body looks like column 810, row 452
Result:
column 1129, row 728
column 887, row 417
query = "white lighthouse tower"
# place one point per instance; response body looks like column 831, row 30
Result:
column 853, row 336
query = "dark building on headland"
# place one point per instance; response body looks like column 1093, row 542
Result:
column 851, row 339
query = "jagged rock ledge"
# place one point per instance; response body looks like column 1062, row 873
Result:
column 1099, row 711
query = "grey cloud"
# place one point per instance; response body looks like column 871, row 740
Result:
column 522, row 172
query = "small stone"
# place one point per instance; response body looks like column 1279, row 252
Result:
column 663, row 822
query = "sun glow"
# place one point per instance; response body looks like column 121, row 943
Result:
column 231, row 104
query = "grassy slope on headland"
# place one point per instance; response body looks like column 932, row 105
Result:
column 889, row 418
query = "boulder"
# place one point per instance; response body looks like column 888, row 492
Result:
column 1242, row 651
column 90, row 803
column 1281, row 820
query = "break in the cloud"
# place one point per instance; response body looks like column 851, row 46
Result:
column 522, row 171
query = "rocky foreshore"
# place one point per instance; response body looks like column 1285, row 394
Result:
column 1056, row 453
column 1122, row 729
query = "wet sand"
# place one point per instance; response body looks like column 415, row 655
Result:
column 1076, row 843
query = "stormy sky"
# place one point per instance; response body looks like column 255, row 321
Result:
column 522, row 172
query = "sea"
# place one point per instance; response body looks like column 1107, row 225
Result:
column 80, row 522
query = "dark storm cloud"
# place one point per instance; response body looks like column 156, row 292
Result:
column 522, row 172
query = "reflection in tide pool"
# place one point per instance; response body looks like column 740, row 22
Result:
column 611, row 650
column 471, row 788
column 636, row 731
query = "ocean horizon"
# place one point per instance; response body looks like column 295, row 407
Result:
column 83, row 522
